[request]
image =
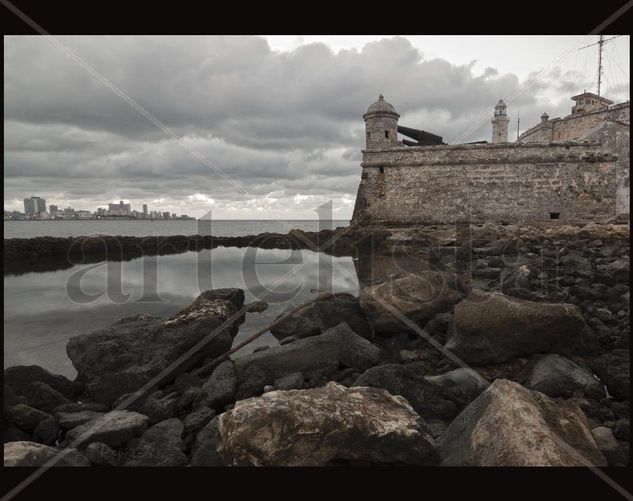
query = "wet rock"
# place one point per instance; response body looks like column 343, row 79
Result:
column 613, row 369
column 70, row 420
column 490, row 327
column 198, row 419
column 20, row 376
column 123, row 357
column 160, row 445
column 609, row 446
column 417, row 297
column 321, row 426
column 429, row 399
column 464, row 383
column 34, row 454
column 114, row 429
column 220, row 388
column 47, row 431
column 25, row 417
column 509, row 425
column 316, row 356
column 557, row 376
column 327, row 311
column 43, row 397
column 100, row 454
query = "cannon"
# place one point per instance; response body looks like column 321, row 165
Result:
column 422, row 138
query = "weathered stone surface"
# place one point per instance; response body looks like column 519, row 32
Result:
column 614, row 370
column 205, row 449
column 158, row 408
column 25, row 417
column 123, row 357
column 294, row 381
column 114, row 429
column 427, row 398
column 220, row 388
column 197, row 419
column 314, row 356
column 34, row 454
column 558, row 376
column 417, row 297
column 321, row 426
column 490, row 327
column 327, row 311
column 42, row 396
column 47, row 431
column 70, row 420
column 11, row 433
column 464, row 383
column 100, row 454
column 509, row 425
column 81, row 406
column 160, row 445
column 20, row 376
column 609, row 446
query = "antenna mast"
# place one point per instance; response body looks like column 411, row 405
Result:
column 518, row 122
column 600, row 43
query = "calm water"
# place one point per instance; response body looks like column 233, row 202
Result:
column 220, row 228
column 43, row 310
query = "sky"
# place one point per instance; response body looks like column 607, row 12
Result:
column 261, row 127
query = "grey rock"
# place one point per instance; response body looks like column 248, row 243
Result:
column 11, row 433
column 490, row 327
column 429, row 399
column 614, row 371
column 622, row 429
column 320, row 426
column 81, row 406
column 557, row 376
column 509, row 425
column 158, row 408
column 316, row 356
column 188, row 397
column 160, row 445
column 100, row 454
column 205, row 448
column 464, row 383
column 609, row 446
column 25, row 417
column 47, row 431
column 196, row 420
column 20, row 376
column 294, row 381
column 70, row 420
column 114, row 429
column 327, row 311
column 34, row 454
column 43, row 397
column 220, row 388
column 122, row 358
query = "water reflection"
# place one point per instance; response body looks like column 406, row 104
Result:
column 43, row 310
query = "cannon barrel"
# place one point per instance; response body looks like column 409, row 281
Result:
column 422, row 137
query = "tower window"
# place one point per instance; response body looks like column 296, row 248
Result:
column 554, row 215
column 368, row 134
column 381, row 169
column 387, row 134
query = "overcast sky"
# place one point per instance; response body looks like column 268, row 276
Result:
column 277, row 118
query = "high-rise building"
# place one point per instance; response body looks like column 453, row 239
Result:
column 52, row 208
column 144, row 211
column 34, row 205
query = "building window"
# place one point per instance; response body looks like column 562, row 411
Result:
column 387, row 134
column 368, row 134
column 381, row 169
column 554, row 215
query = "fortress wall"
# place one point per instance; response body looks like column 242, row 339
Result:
column 508, row 182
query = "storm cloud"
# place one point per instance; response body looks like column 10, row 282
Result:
column 280, row 132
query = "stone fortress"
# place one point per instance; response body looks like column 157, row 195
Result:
column 571, row 169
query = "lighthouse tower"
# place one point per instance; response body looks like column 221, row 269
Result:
column 500, row 123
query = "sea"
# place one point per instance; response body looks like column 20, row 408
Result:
column 42, row 310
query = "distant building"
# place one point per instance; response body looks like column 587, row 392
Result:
column 145, row 211
column 119, row 209
column 83, row 214
column 588, row 102
column 52, row 208
column 34, row 205
column 165, row 215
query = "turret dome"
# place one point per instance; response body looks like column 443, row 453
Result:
column 381, row 106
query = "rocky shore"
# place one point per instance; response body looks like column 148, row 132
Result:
column 493, row 345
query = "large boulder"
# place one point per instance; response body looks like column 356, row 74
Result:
column 464, row 383
column 509, row 425
column 322, row 426
column 44, row 397
column 490, row 327
column 20, row 377
column 557, row 376
column 417, row 297
column 25, row 417
column 428, row 399
column 328, row 310
column 128, row 354
column 220, row 388
column 314, row 357
column 70, row 420
column 160, row 445
column 114, row 429
column 614, row 369
column 33, row 454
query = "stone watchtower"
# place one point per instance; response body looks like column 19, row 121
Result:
column 500, row 123
column 381, row 125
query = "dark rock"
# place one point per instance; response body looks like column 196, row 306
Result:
column 466, row 384
column 114, row 429
column 25, row 417
column 622, row 429
column 613, row 369
column 43, row 397
column 316, row 356
column 205, row 448
column 509, row 425
column 439, row 323
column 122, row 358
column 160, row 445
column 317, row 427
column 557, row 376
column 428, row 398
column 70, row 420
column 10, row 398
column 187, row 398
column 34, row 454
column 294, row 381
column 47, row 431
column 158, row 408
column 327, row 311
column 197, row 419
column 220, row 388
column 260, row 348
column 20, row 376
column 489, row 327
column 100, row 454
column 609, row 446
column 81, row 406
column 11, row 433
